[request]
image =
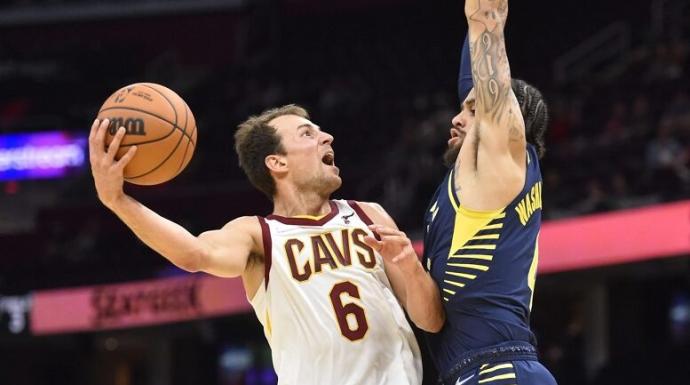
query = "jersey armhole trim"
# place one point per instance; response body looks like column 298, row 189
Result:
column 452, row 195
column 268, row 247
column 362, row 215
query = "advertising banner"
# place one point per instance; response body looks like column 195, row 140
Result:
column 136, row 304
column 42, row 155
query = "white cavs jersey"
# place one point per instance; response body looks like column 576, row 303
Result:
column 327, row 307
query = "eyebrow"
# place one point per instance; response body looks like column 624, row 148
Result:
column 309, row 125
column 469, row 103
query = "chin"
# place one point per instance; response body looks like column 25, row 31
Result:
column 451, row 155
column 335, row 183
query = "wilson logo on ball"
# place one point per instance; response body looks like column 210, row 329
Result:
column 133, row 126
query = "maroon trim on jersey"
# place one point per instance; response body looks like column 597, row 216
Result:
column 307, row 221
column 363, row 216
column 266, row 236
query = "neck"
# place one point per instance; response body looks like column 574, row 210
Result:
column 292, row 202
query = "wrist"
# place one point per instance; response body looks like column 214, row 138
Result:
column 412, row 267
column 116, row 203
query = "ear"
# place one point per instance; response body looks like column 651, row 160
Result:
column 276, row 163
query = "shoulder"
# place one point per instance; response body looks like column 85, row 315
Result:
column 246, row 223
column 238, row 229
column 375, row 212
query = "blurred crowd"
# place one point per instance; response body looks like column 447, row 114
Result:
column 612, row 144
column 382, row 83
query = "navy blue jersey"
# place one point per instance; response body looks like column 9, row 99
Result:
column 485, row 266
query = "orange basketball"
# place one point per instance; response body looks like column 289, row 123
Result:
column 159, row 123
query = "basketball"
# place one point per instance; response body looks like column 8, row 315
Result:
column 159, row 123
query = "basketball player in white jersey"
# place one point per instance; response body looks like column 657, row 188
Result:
column 328, row 302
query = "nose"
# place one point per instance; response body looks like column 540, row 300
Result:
column 326, row 138
column 458, row 120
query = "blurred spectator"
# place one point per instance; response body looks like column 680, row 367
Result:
column 666, row 161
column 640, row 120
column 595, row 201
column 616, row 128
column 666, row 65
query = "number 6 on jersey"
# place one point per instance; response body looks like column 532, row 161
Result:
column 343, row 310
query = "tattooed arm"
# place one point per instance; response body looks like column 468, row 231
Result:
column 500, row 128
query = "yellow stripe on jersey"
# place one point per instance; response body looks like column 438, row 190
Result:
column 470, row 266
column 468, row 224
column 458, row 284
column 485, row 257
column 532, row 275
column 496, row 378
column 467, row 238
column 487, row 236
column 451, row 191
column 502, row 366
column 479, row 247
column 462, row 275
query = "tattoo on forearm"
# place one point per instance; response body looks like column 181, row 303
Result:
column 490, row 68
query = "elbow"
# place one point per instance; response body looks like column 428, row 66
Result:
column 432, row 324
column 188, row 266
column 192, row 262
column 480, row 10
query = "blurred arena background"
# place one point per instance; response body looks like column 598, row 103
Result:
column 612, row 304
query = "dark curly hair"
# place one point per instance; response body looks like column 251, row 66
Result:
column 534, row 111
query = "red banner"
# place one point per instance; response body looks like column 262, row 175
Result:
column 584, row 242
column 625, row 236
column 659, row 231
column 136, row 304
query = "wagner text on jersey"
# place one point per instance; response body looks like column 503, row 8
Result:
column 530, row 203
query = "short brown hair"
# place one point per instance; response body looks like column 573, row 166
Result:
column 255, row 139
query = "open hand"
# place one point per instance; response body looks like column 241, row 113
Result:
column 394, row 246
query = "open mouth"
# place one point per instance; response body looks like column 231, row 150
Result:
column 454, row 133
column 328, row 158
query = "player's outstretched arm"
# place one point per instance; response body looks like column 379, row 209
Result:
column 223, row 252
column 500, row 128
column 465, row 71
column 413, row 286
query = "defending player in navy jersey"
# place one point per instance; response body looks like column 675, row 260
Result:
column 483, row 222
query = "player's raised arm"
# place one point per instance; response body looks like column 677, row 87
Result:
column 465, row 71
column 223, row 252
column 499, row 124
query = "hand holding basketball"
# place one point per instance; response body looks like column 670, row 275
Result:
column 159, row 123
column 108, row 173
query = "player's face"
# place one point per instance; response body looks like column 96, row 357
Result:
column 309, row 155
column 461, row 124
